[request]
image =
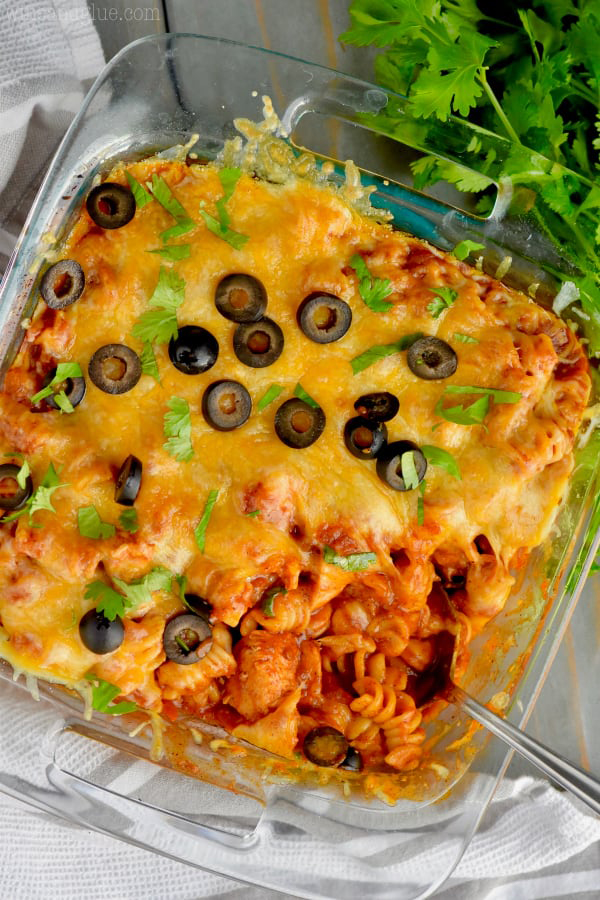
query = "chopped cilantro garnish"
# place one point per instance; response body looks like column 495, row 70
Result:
column 438, row 457
column 182, row 644
column 466, row 248
column 229, row 178
column 113, row 603
column 141, row 195
column 421, row 504
column 162, row 192
column 497, row 396
column 380, row 351
column 41, row 497
column 148, row 361
column 63, row 372
column 372, row 290
column 91, row 525
column 128, row 520
column 354, row 562
column 23, row 474
column 200, row 529
column 159, row 324
column 443, row 301
column 108, row 601
column 272, row 394
column 173, row 252
column 178, row 430
column 267, row 602
column 253, row 514
column 475, row 413
column 409, row 470
column 103, row 694
column 464, row 338
column 302, row 395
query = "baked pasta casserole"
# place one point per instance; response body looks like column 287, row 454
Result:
column 264, row 457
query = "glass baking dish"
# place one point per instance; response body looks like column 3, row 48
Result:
column 307, row 839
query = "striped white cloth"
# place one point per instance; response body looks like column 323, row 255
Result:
column 534, row 842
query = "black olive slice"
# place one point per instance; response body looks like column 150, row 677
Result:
column 110, row 205
column 187, row 638
column 381, row 406
column 431, row 358
column 74, row 389
column 241, row 298
column 324, row 318
column 325, row 746
column 194, row 350
column 389, row 464
column 199, row 605
column 129, row 481
column 363, row 438
column 353, row 761
column 226, row 405
column 62, row 284
column 99, row 634
column 298, row 424
column 115, row 368
column 258, row 344
column 11, row 495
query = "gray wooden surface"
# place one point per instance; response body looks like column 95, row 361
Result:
column 567, row 714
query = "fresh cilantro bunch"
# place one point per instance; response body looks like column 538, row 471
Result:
column 528, row 72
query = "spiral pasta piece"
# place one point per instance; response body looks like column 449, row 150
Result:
column 375, row 701
column 390, row 633
column 403, row 735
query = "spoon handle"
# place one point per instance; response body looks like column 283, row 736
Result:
column 560, row 770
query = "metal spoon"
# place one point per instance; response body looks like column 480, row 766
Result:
column 569, row 776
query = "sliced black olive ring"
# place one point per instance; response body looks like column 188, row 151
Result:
column 129, row 481
column 389, row 464
column 258, row 344
column 241, row 298
column 99, row 634
column 431, row 358
column 298, row 424
column 325, row 746
column 11, row 495
column 324, row 318
column 380, row 406
column 353, row 761
column 364, row 438
column 110, row 205
column 74, row 389
column 194, row 350
column 187, row 638
column 226, row 405
column 199, row 605
column 115, row 368
column 62, row 284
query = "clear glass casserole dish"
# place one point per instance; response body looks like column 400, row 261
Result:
column 304, row 839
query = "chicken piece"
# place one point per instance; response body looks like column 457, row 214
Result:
column 267, row 665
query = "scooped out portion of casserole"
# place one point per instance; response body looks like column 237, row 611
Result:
column 264, row 457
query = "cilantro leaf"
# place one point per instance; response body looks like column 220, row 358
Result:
column 148, row 361
column 372, row 290
column 467, row 248
column 103, row 694
column 498, row 396
column 354, row 562
column 464, row 338
column 221, row 230
column 162, row 192
column 253, row 514
column 380, row 351
column 302, row 395
column 63, row 402
column 23, row 474
column 173, row 252
column 200, row 529
column 271, row 394
column 438, row 457
column 444, row 300
column 409, row 470
column 41, row 497
column 267, row 601
column 141, row 195
column 91, row 525
column 178, row 430
column 421, row 504
column 128, row 520
column 159, row 324
column 107, row 601
column 63, row 372
column 474, row 414
column 229, row 178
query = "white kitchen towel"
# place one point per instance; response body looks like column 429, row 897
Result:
column 49, row 51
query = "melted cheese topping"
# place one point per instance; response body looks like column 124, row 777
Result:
column 476, row 530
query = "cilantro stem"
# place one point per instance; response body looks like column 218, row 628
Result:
column 496, row 104
column 579, row 88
